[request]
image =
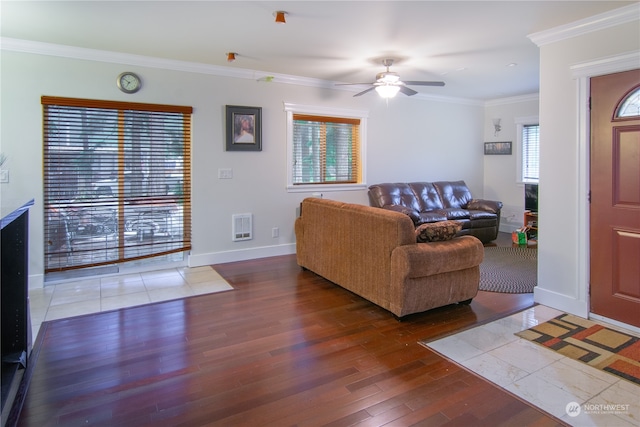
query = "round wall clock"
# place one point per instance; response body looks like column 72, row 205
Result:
column 129, row 82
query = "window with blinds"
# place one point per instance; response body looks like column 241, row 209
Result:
column 530, row 153
column 326, row 150
column 117, row 183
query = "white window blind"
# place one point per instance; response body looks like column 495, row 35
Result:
column 325, row 150
column 117, row 183
column 530, row 153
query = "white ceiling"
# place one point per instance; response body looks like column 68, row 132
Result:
column 467, row 44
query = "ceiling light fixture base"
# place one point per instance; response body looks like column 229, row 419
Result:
column 280, row 16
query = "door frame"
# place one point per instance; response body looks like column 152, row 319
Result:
column 582, row 73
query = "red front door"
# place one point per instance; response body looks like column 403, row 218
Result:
column 615, row 200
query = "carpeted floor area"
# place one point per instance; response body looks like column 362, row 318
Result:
column 596, row 345
column 509, row 270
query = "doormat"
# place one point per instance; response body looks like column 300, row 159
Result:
column 598, row 346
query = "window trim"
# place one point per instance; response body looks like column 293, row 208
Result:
column 521, row 122
column 292, row 109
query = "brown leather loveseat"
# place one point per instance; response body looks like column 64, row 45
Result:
column 427, row 202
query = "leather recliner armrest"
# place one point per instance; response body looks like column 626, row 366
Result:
column 485, row 205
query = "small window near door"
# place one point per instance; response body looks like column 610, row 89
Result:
column 630, row 106
column 528, row 149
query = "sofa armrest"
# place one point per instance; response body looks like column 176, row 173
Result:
column 427, row 259
column 413, row 214
column 485, row 205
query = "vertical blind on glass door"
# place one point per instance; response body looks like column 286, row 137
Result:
column 117, row 182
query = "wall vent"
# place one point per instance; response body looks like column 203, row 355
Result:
column 242, row 227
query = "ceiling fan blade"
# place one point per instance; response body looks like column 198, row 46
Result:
column 421, row 83
column 352, row 84
column 365, row 91
column 407, row 91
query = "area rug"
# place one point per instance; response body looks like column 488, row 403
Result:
column 606, row 349
column 509, row 270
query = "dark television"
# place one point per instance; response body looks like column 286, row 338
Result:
column 531, row 197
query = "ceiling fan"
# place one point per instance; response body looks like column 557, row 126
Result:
column 388, row 83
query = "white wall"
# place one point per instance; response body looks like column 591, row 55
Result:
column 501, row 181
column 563, row 263
column 408, row 139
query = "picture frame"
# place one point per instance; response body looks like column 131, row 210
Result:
column 497, row 148
column 244, row 128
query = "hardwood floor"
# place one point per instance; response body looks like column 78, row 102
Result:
column 284, row 348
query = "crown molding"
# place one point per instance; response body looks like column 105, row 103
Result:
column 72, row 52
column 608, row 19
column 513, row 100
column 608, row 65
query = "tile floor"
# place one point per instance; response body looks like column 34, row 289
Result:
column 96, row 294
column 578, row 394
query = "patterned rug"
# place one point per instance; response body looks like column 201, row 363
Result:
column 509, row 270
column 588, row 342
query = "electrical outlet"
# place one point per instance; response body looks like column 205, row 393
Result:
column 4, row 176
column 225, row 173
column 275, row 232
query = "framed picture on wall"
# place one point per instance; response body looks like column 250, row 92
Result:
column 491, row 148
column 244, row 128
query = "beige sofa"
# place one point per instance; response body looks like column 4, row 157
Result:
column 373, row 253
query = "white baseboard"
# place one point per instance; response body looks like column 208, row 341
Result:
column 36, row 281
column 241, row 255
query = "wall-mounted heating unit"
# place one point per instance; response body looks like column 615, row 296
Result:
column 242, row 227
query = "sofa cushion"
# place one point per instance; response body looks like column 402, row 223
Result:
column 482, row 215
column 389, row 194
column 454, row 194
column 424, row 217
column 437, row 231
column 427, row 196
column 455, row 213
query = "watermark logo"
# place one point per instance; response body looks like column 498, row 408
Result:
column 573, row 409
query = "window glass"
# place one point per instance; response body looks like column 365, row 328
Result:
column 630, row 107
column 325, row 149
column 530, row 153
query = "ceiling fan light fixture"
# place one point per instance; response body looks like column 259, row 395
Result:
column 280, row 17
column 387, row 90
column 388, row 78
